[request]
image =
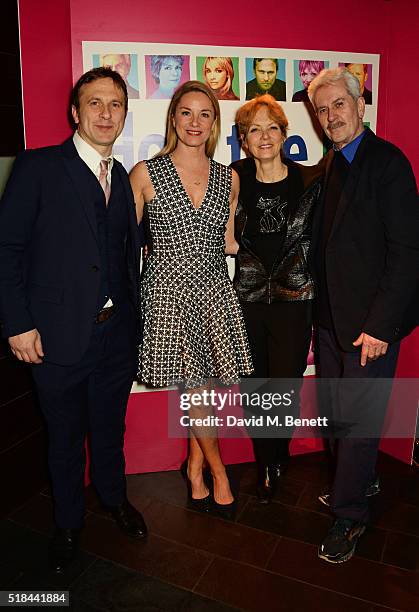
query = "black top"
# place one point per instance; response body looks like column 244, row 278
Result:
column 266, row 222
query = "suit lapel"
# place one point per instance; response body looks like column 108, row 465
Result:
column 318, row 210
column 351, row 183
column 129, row 200
column 78, row 173
column 135, row 238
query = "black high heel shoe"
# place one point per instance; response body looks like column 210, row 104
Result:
column 200, row 505
column 224, row 511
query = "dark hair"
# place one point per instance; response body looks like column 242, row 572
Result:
column 256, row 60
column 94, row 75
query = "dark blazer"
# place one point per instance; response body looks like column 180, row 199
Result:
column 372, row 255
column 49, row 252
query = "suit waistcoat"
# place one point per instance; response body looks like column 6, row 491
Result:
column 112, row 226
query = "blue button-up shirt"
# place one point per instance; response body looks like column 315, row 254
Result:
column 349, row 150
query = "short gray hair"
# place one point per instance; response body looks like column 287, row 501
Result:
column 330, row 76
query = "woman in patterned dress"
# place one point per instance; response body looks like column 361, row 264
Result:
column 193, row 328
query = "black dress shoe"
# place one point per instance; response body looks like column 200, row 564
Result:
column 63, row 549
column 128, row 519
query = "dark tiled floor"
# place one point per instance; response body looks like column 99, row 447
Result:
column 265, row 560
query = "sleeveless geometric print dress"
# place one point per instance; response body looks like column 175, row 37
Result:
column 193, row 327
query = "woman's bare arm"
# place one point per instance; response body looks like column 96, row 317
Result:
column 231, row 245
column 141, row 187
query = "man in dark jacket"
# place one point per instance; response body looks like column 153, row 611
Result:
column 69, row 253
column 365, row 260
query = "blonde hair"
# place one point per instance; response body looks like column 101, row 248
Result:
column 171, row 136
column 246, row 114
column 226, row 64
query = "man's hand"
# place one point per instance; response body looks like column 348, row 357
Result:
column 27, row 346
column 372, row 348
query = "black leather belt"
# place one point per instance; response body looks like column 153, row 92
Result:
column 105, row 314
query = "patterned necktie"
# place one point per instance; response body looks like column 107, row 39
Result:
column 103, row 179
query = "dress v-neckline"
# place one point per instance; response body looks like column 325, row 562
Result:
column 184, row 188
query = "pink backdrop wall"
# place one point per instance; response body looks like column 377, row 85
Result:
column 387, row 27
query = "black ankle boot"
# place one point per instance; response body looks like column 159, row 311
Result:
column 265, row 484
column 268, row 477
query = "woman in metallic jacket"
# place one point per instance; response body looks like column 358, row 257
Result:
column 272, row 278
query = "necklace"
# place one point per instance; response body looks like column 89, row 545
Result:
column 196, row 182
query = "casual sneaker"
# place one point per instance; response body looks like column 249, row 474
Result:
column 340, row 543
column 373, row 489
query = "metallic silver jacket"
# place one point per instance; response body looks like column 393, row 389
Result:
column 289, row 279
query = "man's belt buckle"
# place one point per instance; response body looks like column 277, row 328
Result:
column 105, row 314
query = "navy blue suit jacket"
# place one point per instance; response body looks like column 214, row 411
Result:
column 49, row 252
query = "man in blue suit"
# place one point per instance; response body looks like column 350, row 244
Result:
column 69, row 254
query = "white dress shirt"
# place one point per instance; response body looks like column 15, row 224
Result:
column 91, row 157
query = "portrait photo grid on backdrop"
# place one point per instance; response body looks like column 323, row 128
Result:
column 153, row 72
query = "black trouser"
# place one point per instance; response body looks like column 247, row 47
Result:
column 354, row 456
column 279, row 336
column 89, row 396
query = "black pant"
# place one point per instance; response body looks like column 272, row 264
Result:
column 354, row 456
column 89, row 396
column 279, row 336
